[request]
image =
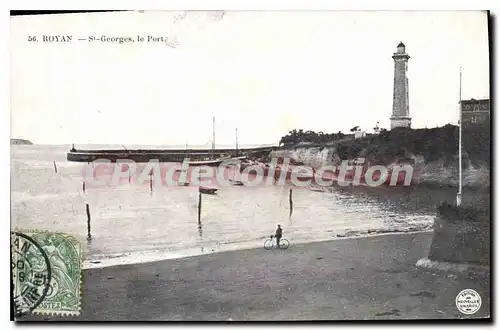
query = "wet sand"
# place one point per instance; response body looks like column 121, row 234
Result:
column 356, row 278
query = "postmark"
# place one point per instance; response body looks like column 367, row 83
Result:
column 468, row 301
column 61, row 256
column 31, row 274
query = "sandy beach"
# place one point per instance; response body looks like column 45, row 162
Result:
column 358, row 278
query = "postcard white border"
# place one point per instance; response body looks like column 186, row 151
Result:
column 185, row 4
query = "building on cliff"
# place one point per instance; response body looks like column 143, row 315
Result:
column 475, row 111
column 400, row 104
column 359, row 134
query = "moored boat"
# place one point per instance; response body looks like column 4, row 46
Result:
column 207, row 190
column 236, row 182
column 210, row 163
column 316, row 189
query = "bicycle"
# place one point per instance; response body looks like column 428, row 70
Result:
column 270, row 243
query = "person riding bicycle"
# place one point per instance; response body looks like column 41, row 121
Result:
column 278, row 235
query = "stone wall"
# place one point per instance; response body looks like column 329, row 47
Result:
column 460, row 241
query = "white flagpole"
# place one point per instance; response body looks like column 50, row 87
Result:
column 459, row 194
column 213, row 136
column 236, row 142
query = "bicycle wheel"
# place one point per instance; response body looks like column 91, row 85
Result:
column 268, row 244
column 284, row 244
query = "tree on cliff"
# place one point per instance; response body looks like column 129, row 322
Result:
column 296, row 137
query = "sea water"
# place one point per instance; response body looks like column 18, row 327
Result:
column 130, row 224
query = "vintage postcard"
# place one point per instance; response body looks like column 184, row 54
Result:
column 250, row 165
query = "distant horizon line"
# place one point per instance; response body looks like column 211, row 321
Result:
column 206, row 144
column 126, row 145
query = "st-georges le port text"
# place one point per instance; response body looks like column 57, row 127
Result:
column 169, row 41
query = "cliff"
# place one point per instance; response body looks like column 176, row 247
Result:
column 20, row 142
column 432, row 152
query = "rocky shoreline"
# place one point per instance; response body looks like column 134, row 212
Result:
column 435, row 173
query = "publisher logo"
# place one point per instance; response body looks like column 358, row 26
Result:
column 468, row 301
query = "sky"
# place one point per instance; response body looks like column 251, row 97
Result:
column 263, row 72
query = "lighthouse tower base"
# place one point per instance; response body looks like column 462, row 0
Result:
column 397, row 122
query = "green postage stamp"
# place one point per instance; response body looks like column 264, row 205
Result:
column 46, row 273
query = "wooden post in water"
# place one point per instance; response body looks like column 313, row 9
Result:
column 88, row 222
column 151, row 181
column 83, row 186
column 55, row 167
column 291, row 204
column 200, row 230
column 129, row 175
column 199, row 207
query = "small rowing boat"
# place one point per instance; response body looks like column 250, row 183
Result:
column 236, row 182
column 316, row 189
column 207, row 190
